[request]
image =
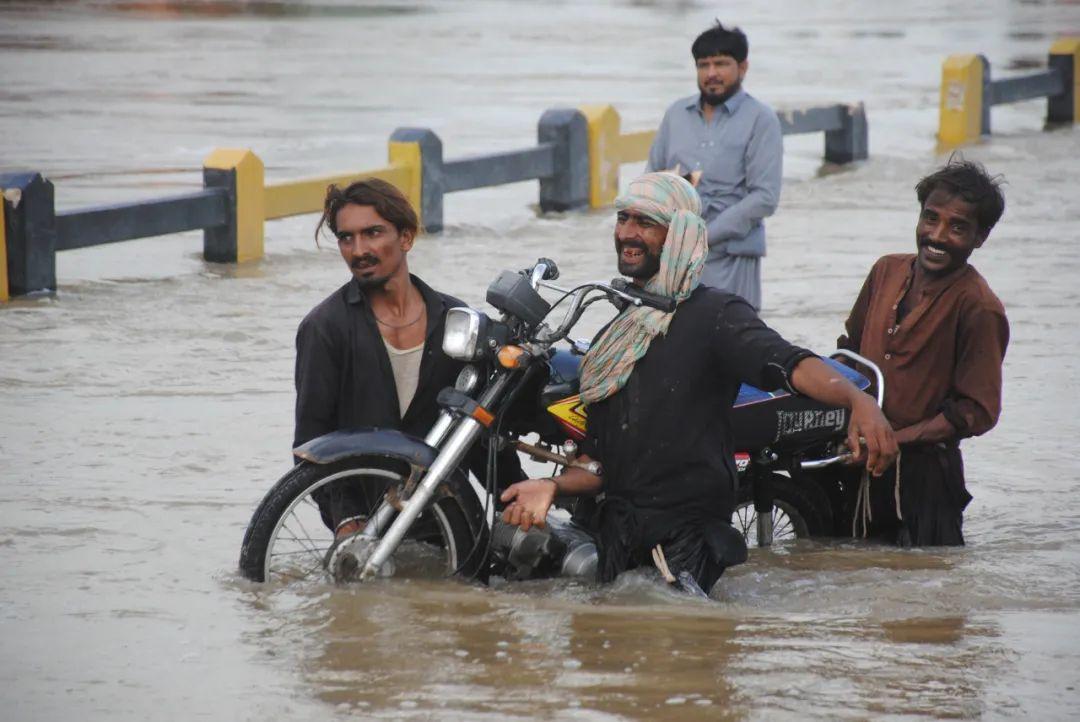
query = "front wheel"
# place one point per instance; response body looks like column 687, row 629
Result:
column 799, row 511
column 290, row 537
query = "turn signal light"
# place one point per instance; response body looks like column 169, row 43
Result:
column 513, row 357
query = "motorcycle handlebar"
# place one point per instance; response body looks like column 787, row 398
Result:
column 666, row 304
column 619, row 291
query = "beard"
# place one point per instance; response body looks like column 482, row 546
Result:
column 358, row 266
column 370, row 282
column 715, row 99
column 645, row 268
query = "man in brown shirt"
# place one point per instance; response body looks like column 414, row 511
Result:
column 939, row 334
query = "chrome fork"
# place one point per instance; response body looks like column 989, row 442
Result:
column 461, row 438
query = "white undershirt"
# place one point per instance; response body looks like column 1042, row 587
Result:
column 406, row 366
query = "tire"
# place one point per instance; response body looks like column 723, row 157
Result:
column 289, row 538
column 800, row 510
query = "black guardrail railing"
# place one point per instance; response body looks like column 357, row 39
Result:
column 499, row 168
column 576, row 160
column 141, row 219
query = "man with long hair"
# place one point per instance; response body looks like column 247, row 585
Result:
column 370, row 355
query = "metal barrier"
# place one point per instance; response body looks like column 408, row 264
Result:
column 968, row 92
column 576, row 161
column 845, row 128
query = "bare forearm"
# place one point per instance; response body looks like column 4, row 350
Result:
column 927, row 431
column 578, row 482
column 814, row 378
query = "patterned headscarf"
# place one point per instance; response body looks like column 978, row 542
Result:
column 670, row 200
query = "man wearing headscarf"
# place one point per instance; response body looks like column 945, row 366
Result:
column 659, row 388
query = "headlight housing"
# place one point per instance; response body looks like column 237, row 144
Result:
column 464, row 334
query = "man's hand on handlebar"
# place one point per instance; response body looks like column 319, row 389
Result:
column 869, row 427
column 816, row 379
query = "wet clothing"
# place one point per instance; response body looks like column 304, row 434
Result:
column 699, row 544
column 740, row 156
column 932, row 498
column 344, row 380
column 665, row 440
column 944, row 357
column 343, row 374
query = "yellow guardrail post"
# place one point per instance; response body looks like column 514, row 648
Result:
column 961, row 115
column 240, row 173
column 604, row 124
column 4, row 291
column 407, row 155
column 1065, row 58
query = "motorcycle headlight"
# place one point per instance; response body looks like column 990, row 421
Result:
column 464, row 333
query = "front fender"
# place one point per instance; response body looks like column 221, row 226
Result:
column 343, row 444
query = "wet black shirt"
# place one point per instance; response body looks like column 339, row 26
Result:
column 344, row 379
column 343, row 374
column 665, row 439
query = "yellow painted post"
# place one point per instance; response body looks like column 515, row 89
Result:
column 960, row 119
column 4, row 290
column 604, row 124
column 241, row 172
column 406, row 155
column 1065, row 56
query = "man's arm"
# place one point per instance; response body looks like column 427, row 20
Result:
column 317, row 384
column 814, row 378
column 927, row 431
column 658, row 151
column 528, row 501
column 764, row 169
column 851, row 339
column 974, row 402
column 752, row 352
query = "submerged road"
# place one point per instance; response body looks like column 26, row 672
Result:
column 148, row 406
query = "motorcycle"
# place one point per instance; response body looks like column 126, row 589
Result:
column 413, row 494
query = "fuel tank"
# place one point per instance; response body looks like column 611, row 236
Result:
column 758, row 418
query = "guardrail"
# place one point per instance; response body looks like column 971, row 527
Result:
column 576, row 161
column 968, row 92
column 845, row 127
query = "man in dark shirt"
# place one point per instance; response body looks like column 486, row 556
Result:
column 939, row 334
column 370, row 355
column 659, row 389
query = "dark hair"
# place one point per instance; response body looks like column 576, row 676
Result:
column 970, row 181
column 388, row 202
column 719, row 40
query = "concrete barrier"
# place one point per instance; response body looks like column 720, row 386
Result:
column 576, row 160
column 845, row 127
column 4, row 293
column 559, row 161
column 239, row 174
column 968, row 91
column 30, row 233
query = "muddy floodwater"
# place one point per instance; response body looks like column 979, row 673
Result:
column 146, row 408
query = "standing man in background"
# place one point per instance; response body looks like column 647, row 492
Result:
column 729, row 146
